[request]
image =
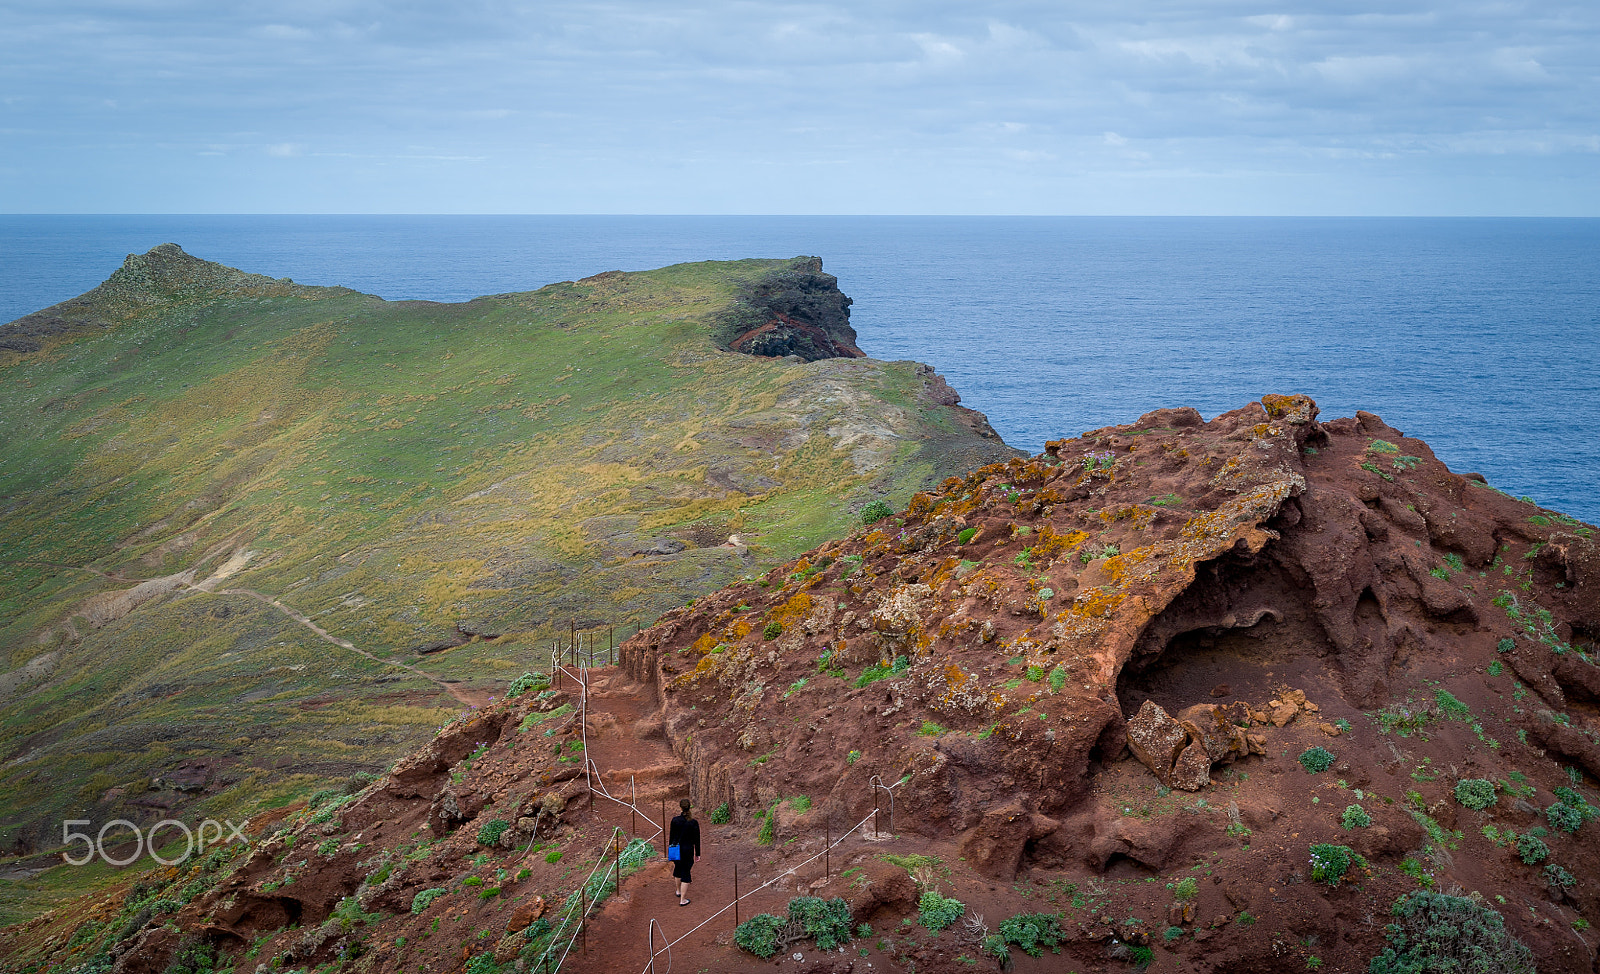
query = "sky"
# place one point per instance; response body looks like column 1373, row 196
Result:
column 921, row 107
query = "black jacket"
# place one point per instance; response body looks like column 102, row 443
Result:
column 685, row 834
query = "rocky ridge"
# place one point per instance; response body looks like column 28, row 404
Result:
column 1142, row 682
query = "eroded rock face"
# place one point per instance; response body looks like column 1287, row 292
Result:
column 799, row 311
column 1002, row 639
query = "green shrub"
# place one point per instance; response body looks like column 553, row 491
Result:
column 553, row 856
column 995, row 946
column 1185, row 889
column 1172, row 933
column 875, row 512
column 773, row 630
column 482, row 964
column 937, row 912
column 1435, row 933
column 1475, row 793
column 1355, row 817
column 1032, row 932
column 966, row 535
column 527, row 683
column 321, row 798
column 421, row 900
column 1531, row 849
column 1557, row 877
column 1058, row 678
column 331, row 846
column 1452, row 708
column 1330, row 862
column 721, row 815
column 883, row 671
column 759, row 934
column 827, row 922
column 768, row 833
column 1506, row 645
column 1564, row 817
column 930, row 729
column 1316, row 760
column 492, row 830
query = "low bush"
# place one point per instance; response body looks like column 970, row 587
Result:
column 883, row 671
column 420, row 902
column 759, row 934
column 1475, row 793
column 875, row 512
column 1355, row 817
column 825, row 922
column 1531, row 849
column 492, row 830
column 1316, row 760
column 966, row 535
column 721, row 815
column 1330, row 862
column 773, row 630
column 1564, row 817
column 1434, row 932
column 1032, row 932
column 528, row 683
column 937, row 912
column 995, row 946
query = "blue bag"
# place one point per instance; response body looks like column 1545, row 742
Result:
column 672, row 852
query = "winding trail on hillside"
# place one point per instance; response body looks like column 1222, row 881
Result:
column 467, row 697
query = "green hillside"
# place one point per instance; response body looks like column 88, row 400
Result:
column 187, row 443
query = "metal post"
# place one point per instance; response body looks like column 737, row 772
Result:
column 875, row 830
column 827, row 853
column 664, row 832
column 583, row 927
column 736, row 895
column 633, row 806
column 573, row 631
column 618, row 840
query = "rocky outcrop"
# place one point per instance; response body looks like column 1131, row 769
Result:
column 797, row 310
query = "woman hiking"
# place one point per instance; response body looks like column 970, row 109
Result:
column 684, row 836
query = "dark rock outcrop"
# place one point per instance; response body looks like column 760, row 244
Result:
column 798, row 310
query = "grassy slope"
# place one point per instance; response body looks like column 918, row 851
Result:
column 396, row 468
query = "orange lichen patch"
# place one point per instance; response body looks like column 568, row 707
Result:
column 919, row 505
column 704, row 644
column 945, row 570
column 705, row 667
column 1051, row 544
column 793, row 611
column 803, row 565
column 876, row 537
column 1097, row 603
column 1264, row 429
column 1139, row 515
column 740, row 629
column 1119, row 566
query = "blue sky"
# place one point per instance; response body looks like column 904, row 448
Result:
column 479, row 106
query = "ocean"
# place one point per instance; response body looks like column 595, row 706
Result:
column 1481, row 336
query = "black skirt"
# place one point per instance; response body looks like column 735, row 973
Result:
column 680, row 869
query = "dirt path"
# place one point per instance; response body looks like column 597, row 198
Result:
column 625, row 739
column 471, row 698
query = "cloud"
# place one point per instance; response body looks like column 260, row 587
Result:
column 942, row 95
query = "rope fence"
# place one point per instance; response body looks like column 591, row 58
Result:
column 576, row 667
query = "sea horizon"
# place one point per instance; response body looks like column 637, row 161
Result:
column 1459, row 330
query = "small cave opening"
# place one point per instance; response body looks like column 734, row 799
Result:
column 1242, row 631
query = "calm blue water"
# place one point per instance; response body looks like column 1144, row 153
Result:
column 1480, row 336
